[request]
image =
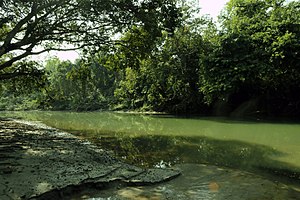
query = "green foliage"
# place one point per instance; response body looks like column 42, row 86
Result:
column 257, row 51
column 168, row 59
column 88, row 24
column 23, row 92
column 161, row 76
column 85, row 85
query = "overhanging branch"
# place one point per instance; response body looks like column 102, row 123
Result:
column 80, row 23
column 7, row 76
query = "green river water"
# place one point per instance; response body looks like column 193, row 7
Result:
column 220, row 158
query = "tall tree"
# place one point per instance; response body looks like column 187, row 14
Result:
column 27, row 24
column 257, row 52
column 163, row 76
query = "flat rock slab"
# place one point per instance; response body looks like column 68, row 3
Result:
column 37, row 160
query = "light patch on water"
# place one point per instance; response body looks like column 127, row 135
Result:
column 138, row 194
column 163, row 164
column 213, row 186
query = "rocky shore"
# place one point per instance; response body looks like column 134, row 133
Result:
column 39, row 162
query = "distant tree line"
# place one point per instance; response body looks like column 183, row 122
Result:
column 247, row 64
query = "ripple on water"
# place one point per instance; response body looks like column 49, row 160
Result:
column 202, row 182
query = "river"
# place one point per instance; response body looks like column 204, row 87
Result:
column 224, row 158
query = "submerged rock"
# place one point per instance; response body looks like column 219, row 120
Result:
column 36, row 161
column 199, row 182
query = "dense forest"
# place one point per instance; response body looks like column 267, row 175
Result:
column 159, row 55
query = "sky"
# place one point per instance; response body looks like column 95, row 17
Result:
column 62, row 55
column 211, row 7
column 65, row 55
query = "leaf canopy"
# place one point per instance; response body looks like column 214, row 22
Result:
column 26, row 24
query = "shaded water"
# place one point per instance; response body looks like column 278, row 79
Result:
column 201, row 182
column 270, row 150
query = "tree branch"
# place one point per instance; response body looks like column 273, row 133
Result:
column 81, row 23
column 7, row 76
column 15, row 30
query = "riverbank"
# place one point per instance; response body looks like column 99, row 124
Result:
column 39, row 162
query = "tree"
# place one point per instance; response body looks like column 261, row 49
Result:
column 161, row 76
column 23, row 92
column 83, row 85
column 257, row 54
column 27, row 24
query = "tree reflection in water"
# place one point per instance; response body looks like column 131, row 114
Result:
column 165, row 151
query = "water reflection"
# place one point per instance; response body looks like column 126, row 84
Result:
column 200, row 182
column 164, row 151
column 266, row 148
